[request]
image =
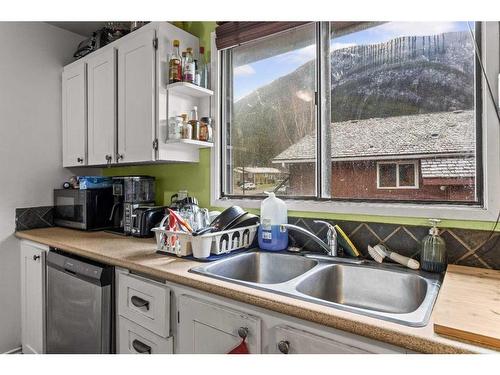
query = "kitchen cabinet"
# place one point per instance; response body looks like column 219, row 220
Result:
column 289, row 340
column 116, row 101
column 32, row 297
column 74, row 114
column 208, row 328
column 136, row 97
column 135, row 339
column 101, row 71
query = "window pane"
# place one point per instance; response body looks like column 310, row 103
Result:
column 404, row 90
column 406, row 175
column 270, row 115
column 387, row 175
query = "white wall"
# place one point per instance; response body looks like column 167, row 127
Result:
column 32, row 55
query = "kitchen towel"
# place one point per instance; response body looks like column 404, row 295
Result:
column 242, row 348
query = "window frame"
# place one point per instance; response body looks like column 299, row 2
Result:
column 397, row 164
column 488, row 175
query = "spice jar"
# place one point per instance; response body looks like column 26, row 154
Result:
column 175, row 128
column 187, row 128
column 206, row 131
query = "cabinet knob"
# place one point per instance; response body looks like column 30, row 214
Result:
column 36, row 257
column 109, row 158
column 243, row 332
column 119, row 157
column 79, row 160
column 284, row 346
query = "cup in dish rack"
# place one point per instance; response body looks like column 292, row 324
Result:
column 201, row 246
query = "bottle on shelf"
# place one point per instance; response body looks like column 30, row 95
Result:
column 175, row 64
column 206, row 131
column 195, row 124
column 189, row 68
column 187, row 128
column 197, row 73
column 203, row 66
column 183, row 64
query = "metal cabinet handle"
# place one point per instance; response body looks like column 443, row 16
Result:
column 140, row 347
column 109, row 159
column 36, row 257
column 139, row 302
column 119, row 157
column 243, row 332
column 284, row 346
column 79, row 160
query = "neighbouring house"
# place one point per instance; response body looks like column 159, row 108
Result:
column 258, row 175
column 426, row 156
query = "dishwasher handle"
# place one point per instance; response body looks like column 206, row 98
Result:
column 140, row 347
column 140, row 302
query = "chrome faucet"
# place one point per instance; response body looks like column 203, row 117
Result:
column 330, row 247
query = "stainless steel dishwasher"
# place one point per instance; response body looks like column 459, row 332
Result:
column 79, row 305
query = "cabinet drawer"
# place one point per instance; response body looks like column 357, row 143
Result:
column 144, row 302
column 134, row 339
column 288, row 340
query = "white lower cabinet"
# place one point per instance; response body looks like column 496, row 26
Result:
column 135, row 339
column 33, row 297
column 143, row 315
column 208, row 328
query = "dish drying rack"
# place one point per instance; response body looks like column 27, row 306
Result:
column 182, row 243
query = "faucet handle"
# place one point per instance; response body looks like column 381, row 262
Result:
column 331, row 236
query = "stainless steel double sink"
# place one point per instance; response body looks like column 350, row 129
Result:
column 383, row 291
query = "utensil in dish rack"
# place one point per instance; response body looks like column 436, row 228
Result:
column 223, row 221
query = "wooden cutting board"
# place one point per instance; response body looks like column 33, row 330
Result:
column 468, row 306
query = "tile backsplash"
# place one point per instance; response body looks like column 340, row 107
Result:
column 465, row 247
column 34, row 217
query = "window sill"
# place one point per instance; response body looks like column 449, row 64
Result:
column 439, row 211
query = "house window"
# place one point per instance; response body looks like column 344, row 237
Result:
column 323, row 112
column 401, row 175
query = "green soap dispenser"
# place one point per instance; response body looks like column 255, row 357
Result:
column 433, row 253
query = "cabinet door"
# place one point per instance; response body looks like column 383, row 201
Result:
column 207, row 328
column 74, row 115
column 288, row 340
column 101, row 70
column 32, row 297
column 136, row 97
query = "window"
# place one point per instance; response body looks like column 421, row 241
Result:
column 402, row 175
column 403, row 104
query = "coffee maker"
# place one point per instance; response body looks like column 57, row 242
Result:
column 129, row 193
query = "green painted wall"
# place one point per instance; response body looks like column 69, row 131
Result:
column 196, row 177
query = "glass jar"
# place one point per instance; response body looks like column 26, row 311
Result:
column 206, row 131
column 187, row 128
column 175, row 128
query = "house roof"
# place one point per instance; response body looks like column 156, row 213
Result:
column 433, row 134
column 448, row 167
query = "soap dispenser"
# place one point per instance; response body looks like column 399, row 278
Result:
column 433, row 254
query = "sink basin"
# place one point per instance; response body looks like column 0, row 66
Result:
column 384, row 291
column 261, row 268
column 367, row 288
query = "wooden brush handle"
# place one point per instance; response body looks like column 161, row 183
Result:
column 405, row 261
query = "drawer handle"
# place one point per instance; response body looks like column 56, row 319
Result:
column 140, row 347
column 284, row 346
column 139, row 302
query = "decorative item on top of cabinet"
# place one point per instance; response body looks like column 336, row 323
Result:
column 33, row 297
column 207, row 328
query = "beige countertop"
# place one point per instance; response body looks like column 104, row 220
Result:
column 139, row 255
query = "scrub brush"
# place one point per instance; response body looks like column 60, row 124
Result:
column 379, row 252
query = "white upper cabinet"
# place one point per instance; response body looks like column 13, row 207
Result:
column 116, row 101
column 101, row 70
column 136, row 97
column 74, row 114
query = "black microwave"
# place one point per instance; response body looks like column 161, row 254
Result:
column 88, row 209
